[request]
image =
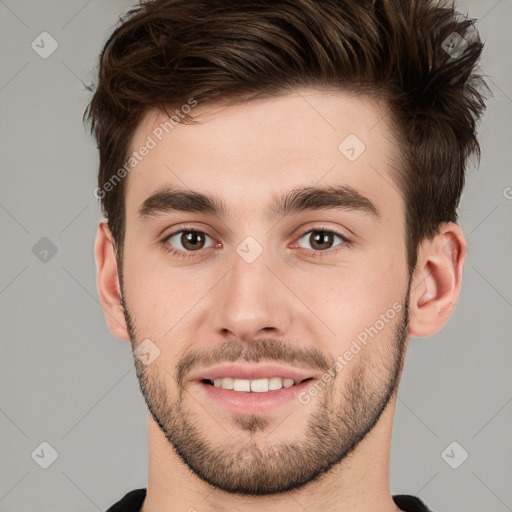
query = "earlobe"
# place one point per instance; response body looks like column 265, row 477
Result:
column 437, row 280
column 108, row 282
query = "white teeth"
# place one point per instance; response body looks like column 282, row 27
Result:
column 227, row 383
column 241, row 385
column 256, row 385
column 259, row 385
column 275, row 383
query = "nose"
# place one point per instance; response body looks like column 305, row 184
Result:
column 252, row 301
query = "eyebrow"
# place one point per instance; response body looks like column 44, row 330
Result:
column 334, row 197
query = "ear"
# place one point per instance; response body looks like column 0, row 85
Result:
column 108, row 282
column 437, row 280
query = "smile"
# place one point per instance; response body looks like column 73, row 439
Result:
column 255, row 385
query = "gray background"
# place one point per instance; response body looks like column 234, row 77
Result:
column 65, row 379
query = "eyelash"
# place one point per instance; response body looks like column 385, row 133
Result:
column 315, row 254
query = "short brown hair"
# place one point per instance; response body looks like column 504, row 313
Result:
column 164, row 52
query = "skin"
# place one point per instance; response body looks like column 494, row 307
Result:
column 331, row 454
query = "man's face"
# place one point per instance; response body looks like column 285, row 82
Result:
column 259, row 286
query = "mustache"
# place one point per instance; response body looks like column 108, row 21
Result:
column 267, row 350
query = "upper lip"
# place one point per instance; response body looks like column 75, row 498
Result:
column 254, row 371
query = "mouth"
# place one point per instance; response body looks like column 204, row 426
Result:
column 254, row 388
column 264, row 385
column 256, row 397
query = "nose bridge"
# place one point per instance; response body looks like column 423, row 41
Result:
column 250, row 298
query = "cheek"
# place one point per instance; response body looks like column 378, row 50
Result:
column 351, row 299
column 161, row 298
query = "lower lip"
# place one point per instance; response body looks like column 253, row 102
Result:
column 250, row 402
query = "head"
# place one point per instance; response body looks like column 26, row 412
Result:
column 352, row 101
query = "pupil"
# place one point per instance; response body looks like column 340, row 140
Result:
column 319, row 238
column 191, row 239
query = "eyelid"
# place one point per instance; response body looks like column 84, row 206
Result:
column 345, row 240
column 194, row 229
column 323, row 227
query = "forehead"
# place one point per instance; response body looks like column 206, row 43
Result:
column 241, row 152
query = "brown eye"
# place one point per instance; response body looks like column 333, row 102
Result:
column 321, row 239
column 190, row 240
